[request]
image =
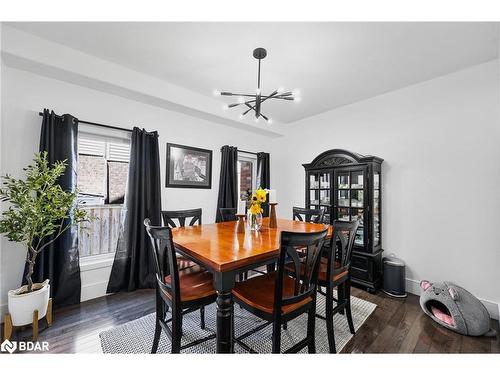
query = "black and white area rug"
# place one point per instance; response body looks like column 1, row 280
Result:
column 136, row 337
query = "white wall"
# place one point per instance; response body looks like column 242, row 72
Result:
column 441, row 143
column 25, row 94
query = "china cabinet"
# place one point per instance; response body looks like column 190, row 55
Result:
column 348, row 186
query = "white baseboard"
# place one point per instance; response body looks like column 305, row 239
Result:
column 95, row 290
column 413, row 287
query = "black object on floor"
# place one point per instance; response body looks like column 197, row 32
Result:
column 394, row 277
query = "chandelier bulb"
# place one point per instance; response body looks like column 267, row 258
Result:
column 225, row 107
column 217, row 93
column 270, row 121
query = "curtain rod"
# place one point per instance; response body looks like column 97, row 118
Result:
column 247, row 152
column 97, row 124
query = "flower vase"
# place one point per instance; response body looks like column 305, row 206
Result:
column 254, row 221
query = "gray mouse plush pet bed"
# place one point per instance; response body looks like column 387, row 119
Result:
column 455, row 308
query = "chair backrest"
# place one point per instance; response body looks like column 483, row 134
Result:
column 342, row 243
column 181, row 216
column 165, row 259
column 310, row 215
column 228, row 214
column 304, row 249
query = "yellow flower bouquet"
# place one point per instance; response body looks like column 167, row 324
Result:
column 255, row 210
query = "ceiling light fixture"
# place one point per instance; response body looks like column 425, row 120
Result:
column 253, row 102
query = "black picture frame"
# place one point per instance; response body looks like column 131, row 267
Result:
column 175, row 153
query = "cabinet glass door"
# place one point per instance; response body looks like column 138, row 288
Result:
column 324, row 180
column 357, row 180
column 357, row 198
column 350, row 204
column 343, row 180
column 343, row 198
column 313, row 190
column 313, row 181
column 313, row 197
column 324, row 197
column 376, row 208
column 343, row 214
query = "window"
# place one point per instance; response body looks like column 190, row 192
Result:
column 102, row 169
column 247, row 174
column 101, row 182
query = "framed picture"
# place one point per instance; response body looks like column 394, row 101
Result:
column 188, row 167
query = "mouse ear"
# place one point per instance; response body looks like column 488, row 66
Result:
column 453, row 293
column 424, row 284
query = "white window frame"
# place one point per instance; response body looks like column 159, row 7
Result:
column 94, row 262
column 253, row 159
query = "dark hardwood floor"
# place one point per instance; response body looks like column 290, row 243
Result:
column 396, row 326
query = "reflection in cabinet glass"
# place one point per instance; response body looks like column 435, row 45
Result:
column 324, row 197
column 343, row 214
column 343, row 181
column 313, row 181
column 357, row 198
column 357, row 180
column 348, row 186
column 314, row 197
column 343, row 198
column 324, row 180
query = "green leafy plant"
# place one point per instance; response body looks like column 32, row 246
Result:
column 40, row 210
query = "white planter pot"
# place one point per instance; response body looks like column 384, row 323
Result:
column 22, row 306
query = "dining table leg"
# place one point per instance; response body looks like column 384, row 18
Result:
column 223, row 284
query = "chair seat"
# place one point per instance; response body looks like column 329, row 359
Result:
column 323, row 267
column 337, row 272
column 194, row 284
column 258, row 292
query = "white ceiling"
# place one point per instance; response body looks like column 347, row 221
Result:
column 333, row 64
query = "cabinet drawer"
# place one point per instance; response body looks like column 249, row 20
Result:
column 359, row 262
column 361, row 268
column 361, row 274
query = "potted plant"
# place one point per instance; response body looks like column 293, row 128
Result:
column 40, row 212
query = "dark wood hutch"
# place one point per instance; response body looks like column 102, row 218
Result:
column 348, row 186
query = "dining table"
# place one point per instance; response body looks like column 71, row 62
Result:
column 227, row 252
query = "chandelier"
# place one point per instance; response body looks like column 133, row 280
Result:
column 253, row 102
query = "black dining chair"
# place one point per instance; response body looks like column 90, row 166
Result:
column 310, row 215
column 193, row 215
column 182, row 291
column 279, row 296
column 334, row 272
column 178, row 218
column 228, row 214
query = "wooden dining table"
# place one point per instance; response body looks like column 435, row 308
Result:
column 226, row 253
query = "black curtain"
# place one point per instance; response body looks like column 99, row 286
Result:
column 60, row 262
column 228, row 182
column 133, row 266
column 264, row 176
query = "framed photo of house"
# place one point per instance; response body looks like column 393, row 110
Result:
column 188, row 167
